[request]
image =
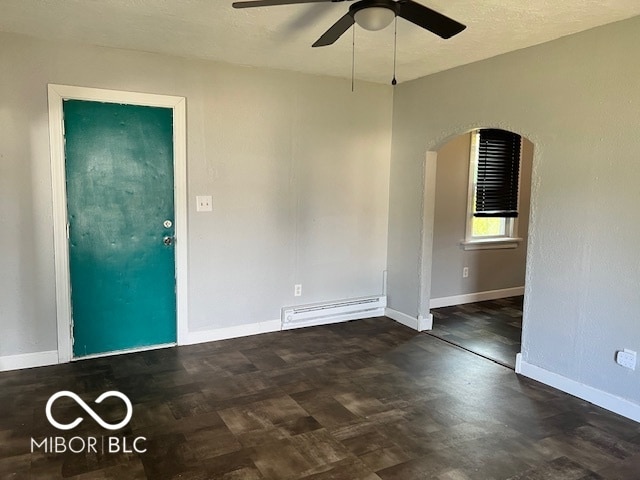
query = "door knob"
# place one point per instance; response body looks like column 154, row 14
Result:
column 168, row 240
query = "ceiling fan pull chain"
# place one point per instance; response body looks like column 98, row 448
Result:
column 395, row 49
column 353, row 59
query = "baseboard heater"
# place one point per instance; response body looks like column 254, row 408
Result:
column 332, row 312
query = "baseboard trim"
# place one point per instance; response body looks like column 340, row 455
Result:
column 28, row 360
column 475, row 297
column 420, row 323
column 518, row 368
column 600, row 398
column 425, row 323
column 232, row 332
column 403, row 318
column 340, row 318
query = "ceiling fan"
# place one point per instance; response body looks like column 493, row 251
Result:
column 374, row 15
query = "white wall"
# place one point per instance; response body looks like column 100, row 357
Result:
column 489, row 270
column 577, row 99
column 298, row 167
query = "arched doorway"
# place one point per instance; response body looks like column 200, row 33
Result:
column 474, row 265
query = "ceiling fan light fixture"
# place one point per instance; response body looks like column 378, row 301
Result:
column 374, row 18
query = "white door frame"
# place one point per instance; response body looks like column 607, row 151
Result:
column 58, row 93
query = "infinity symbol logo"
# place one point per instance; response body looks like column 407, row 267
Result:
column 87, row 408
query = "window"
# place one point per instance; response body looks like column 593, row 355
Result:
column 494, row 179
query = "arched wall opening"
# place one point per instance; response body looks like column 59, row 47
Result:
column 429, row 191
column 461, row 269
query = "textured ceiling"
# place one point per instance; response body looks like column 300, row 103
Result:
column 281, row 36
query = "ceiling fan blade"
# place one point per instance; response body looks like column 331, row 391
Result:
column 428, row 19
column 271, row 3
column 335, row 32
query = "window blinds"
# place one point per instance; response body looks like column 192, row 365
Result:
column 497, row 177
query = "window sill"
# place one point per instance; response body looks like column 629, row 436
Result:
column 491, row 244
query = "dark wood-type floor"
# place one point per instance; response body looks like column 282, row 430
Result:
column 368, row 399
column 492, row 329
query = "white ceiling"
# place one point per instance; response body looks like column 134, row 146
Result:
column 281, row 36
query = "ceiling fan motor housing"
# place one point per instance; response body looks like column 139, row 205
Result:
column 373, row 14
column 364, row 4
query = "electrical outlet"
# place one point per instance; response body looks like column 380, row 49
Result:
column 626, row 358
column 465, row 272
column 203, row 203
column 297, row 290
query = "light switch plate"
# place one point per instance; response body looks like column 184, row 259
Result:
column 203, row 203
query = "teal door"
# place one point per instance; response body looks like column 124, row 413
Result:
column 119, row 178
